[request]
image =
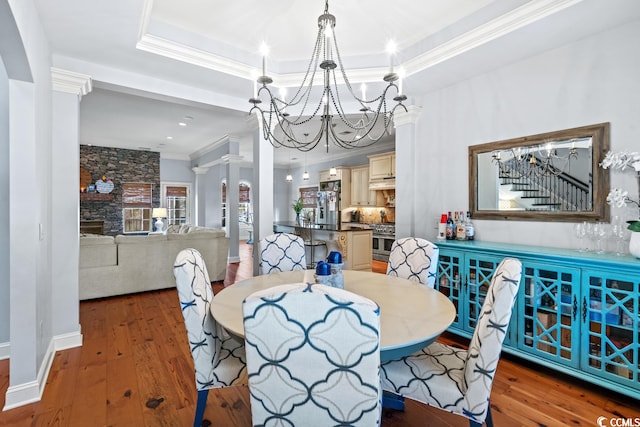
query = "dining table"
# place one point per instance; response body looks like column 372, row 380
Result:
column 412, row 315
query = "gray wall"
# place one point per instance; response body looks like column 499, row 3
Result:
column 590, row 81
column 4, row 211
column 173, row 170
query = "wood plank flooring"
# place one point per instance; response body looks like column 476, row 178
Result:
column 135, row 369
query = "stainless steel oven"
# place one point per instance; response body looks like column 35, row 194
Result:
column 383, row 237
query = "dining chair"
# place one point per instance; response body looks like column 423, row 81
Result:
column 415, row 259
column 218, row 359
column 282, row 252
column 454, row 379
column 313, row 357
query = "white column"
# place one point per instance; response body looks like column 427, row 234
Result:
column 262, row 189
column 199, row 205
column 68, row 89
column 233, row 198
column 406, row 164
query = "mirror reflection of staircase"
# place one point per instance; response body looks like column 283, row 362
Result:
column 541, row 190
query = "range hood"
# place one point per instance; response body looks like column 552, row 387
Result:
column 382, row 184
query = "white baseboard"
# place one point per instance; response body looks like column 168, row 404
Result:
column 70, row 340
column 29, row 392
column 233, row 259
column 5, row 350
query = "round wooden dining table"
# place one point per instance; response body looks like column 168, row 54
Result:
column 412, row 315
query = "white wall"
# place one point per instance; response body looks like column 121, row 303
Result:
column 591, row 81
column 4, row 212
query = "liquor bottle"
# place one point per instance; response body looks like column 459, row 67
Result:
column 471, row 230
column 455, row 225
column 442, row 227
column 461, row 232
column 450, row 227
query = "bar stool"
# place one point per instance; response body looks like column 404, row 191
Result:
column 314, row 251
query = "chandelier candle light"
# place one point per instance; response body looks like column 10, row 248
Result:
column 284, row 128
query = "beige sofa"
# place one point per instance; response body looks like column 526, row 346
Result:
column 127, row 264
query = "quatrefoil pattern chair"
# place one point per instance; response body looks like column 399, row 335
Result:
column 454, row 379
column 218, row 359
column 282, row 252
column 415, row 259
column 313, row 356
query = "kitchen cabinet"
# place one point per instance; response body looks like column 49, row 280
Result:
column 382, row 166
column 324, row 175
column 575, row 312
column 361, row 196
column 356, row 249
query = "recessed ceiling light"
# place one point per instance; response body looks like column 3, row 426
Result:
column 182, row 123
column 169, row 137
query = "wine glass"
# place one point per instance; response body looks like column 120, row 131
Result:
column 618, row 231
column 580, row 231
column 588, row 229
column 600, row 234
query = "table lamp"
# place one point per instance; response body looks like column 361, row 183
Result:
column 159, row 214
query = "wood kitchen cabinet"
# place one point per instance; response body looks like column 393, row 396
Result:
column 382, row 166
column 357, row 249
column 361, row 196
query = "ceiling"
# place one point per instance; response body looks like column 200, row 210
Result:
column 137, row 51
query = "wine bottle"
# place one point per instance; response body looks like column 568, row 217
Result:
column 461, row 232
column 471, row 230
column 450, row 227
column 442, row 227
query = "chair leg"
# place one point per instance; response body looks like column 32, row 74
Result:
column 488, row 420
column 392, row 401
column 202, row 403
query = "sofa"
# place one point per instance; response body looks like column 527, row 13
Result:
column 136, row 263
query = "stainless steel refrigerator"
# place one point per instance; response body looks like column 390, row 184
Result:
column 328, row 209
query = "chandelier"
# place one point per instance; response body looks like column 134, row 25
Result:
column 286, row 121
column 544, row 160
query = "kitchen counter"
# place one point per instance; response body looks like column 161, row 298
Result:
column 354, row 241
column 292, row 225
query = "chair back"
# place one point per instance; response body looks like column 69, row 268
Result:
column 486, row 344
column 415, row 259
column 217, row 359
column 282, row 252
column 313, row 357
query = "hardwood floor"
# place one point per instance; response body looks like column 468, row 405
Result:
column 135, row 369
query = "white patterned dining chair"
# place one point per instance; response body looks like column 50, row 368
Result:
column 218, row 359
column 454, row 379
column 282, row 252
column 415, row 259
column 313, row 357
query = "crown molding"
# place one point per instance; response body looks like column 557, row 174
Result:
column 503, row 25
column 190, row 55
column 524, row 15
column 210, row 147
column 70, row 82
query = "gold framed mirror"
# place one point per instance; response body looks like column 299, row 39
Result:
column 553, row 176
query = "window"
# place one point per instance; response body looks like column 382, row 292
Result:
column 176, row 200
column 136, row 207
column 244, row 204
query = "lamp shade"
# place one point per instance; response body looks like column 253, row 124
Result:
column 159, row 213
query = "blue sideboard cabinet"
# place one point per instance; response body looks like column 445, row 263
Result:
column 575, row 312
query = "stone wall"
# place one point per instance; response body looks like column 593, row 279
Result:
column 122, row 166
